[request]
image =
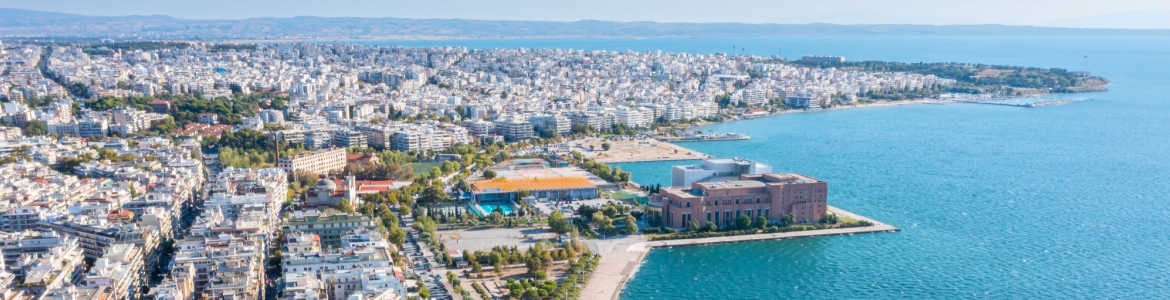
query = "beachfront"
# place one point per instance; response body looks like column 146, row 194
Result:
column 620, row 258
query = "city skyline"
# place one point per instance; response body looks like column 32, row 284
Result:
column 1132, row 14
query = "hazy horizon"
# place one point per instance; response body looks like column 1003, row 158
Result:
column 1074, row 14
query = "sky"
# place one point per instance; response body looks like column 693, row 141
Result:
column 1066, row 13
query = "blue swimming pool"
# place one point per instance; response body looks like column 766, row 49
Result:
column 487, row 208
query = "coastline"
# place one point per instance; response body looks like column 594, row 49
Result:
column 621, row 258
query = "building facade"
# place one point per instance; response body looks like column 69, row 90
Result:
column 773, row 196
column 316, row 162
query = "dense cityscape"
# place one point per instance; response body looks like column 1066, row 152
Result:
column 180, row 170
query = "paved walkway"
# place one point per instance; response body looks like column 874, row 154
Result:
column 620, row 258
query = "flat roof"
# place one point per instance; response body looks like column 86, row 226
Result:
column 731, row 184
column 533, row 184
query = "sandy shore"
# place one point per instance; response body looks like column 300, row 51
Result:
column 634, row 150
column 620, row 258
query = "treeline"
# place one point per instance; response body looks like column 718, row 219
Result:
column 187, row 108
column 611, row 174
column 244, row 149
column 75, row 88
column 109, row 48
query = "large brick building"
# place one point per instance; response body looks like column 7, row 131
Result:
column 773, row 196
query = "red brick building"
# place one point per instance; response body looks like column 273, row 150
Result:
column 773, row 196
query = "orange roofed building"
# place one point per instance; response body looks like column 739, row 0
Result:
column 551, row 188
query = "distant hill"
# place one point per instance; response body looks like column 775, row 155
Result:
column 27, row 23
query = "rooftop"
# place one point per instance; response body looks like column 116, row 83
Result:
column 533, row 184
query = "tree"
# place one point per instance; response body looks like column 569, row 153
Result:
column 423, row 292
column 433, row 194
column 489, row 174
column 710, row 226
column 760, row 223
column 557, row 223
column 605, row 146
column 788, row 219
column 743, row 222
column 631, row 224
column 345, row 206
column 603, row 223
column 693, row 226
column 36, row 127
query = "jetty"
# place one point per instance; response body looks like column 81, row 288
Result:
column 1034, row 104
column 621, row 257
column 731, row 136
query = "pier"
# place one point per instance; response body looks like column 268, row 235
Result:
column 1036, row 104
column 620, row 258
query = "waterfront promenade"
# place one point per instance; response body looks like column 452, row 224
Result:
column 621, row 257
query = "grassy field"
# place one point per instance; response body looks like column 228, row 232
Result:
column 627, row 197
column 423, row 169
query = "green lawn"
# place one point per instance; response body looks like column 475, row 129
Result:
column 627, row 197
column 423, row 169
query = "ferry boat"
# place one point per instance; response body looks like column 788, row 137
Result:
column 730, row 136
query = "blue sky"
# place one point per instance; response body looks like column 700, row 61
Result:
column 1073, row 13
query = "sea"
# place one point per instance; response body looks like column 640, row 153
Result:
column 1067, row 201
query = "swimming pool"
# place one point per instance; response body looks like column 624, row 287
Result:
column 488, row 208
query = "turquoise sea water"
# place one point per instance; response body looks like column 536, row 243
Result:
column 1068, row 201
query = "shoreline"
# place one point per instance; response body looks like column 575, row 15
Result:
column 625, row 256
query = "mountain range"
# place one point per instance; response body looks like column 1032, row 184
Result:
column 18, row 23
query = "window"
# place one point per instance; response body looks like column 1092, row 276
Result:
column 688, row 204
column 708, row 216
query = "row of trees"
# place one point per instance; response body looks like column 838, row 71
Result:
column 187, row 108
column 569, row 288
column 614, row 174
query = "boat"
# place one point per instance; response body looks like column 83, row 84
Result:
column 730, row 136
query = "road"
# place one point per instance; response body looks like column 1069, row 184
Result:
column 422, row 262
